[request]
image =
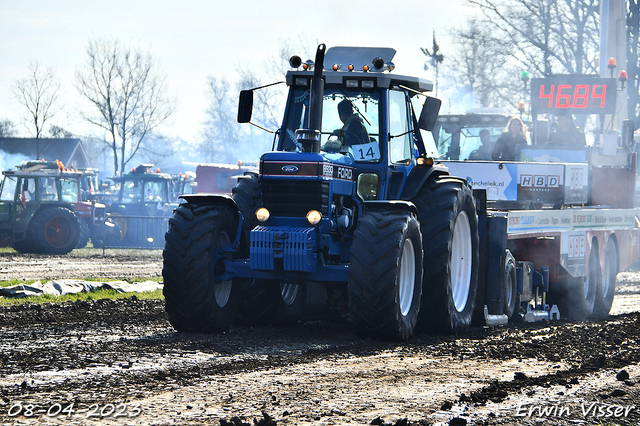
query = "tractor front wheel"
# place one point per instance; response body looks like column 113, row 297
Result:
column 385, row 275
column 450, row 239
column 195, row 301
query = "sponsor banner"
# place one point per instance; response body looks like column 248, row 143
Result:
column 569, row 219
column 550, row 183
column 499, row 179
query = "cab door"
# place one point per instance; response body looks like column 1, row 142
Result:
column 25, row 203
column 7, row 197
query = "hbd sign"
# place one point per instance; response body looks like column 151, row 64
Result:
column 539, row 181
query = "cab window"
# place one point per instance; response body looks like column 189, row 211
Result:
column 70, row 190
column 401, row 142
column 8, row 189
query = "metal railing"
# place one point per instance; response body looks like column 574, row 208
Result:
column 141, row 232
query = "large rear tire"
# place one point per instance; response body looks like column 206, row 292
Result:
column 449, row 225
column 607, row 286
column 54, row 230
column 194, row 300
column 385, row 275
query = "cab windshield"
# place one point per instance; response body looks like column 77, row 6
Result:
column 465, row 143
column 350, row 122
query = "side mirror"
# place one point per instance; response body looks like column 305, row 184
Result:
column 245, row 106
column 429, row 114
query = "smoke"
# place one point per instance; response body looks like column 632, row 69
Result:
column 9, row 161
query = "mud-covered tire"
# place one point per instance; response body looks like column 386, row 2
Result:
column 385, row 275
column 449, row 225
column 268, row 303
column 248, row 198
column 54, row 230
column 577, row 296
column 607, row 285
column 194, row 301
column 84, row 235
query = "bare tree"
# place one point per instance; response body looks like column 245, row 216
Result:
column 481, row 64
column 59, row 132
column 548, row 36
column 540, row 36
column 39, row 94
column 128, row 95
column 220, row 129
column 7, row 129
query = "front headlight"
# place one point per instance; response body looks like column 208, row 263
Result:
column 262, row 214
column 314, row 217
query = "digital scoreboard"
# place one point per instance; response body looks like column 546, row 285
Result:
column 578, row 94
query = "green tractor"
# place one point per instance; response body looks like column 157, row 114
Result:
column 43, row 209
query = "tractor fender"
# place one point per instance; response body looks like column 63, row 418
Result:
column 391, row 205
column 211, row 199
column 219, row 200
column 417, row 178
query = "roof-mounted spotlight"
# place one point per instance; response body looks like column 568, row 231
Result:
column 295, row 61
column 379, row 65
column 308, row 65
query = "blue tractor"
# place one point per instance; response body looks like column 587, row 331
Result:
column 349, row 199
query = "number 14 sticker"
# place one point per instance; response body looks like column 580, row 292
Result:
column 367, row 151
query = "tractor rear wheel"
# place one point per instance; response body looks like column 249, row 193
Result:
column 607, row 286
column 194, row 300
column 385, row 275
column 576, row 296
column 54, row 230
column 449, row 225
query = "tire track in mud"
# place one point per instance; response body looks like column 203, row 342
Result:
column 106, row 351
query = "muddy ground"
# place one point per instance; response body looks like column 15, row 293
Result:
column 107, row 362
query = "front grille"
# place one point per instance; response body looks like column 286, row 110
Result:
column 295, row 198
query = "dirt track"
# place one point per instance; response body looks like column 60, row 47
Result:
column 122, row 363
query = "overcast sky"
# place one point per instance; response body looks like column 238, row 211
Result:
column 197, row 39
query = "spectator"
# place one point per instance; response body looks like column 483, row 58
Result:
column 513, row 135
column 567, row 133
column 484, row 151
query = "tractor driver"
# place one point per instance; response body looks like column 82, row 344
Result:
column 352, row 132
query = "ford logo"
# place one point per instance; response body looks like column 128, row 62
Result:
column 289, row 169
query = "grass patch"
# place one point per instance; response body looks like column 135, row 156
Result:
column 95, row 295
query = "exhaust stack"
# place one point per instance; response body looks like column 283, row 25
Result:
column 310, row 138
